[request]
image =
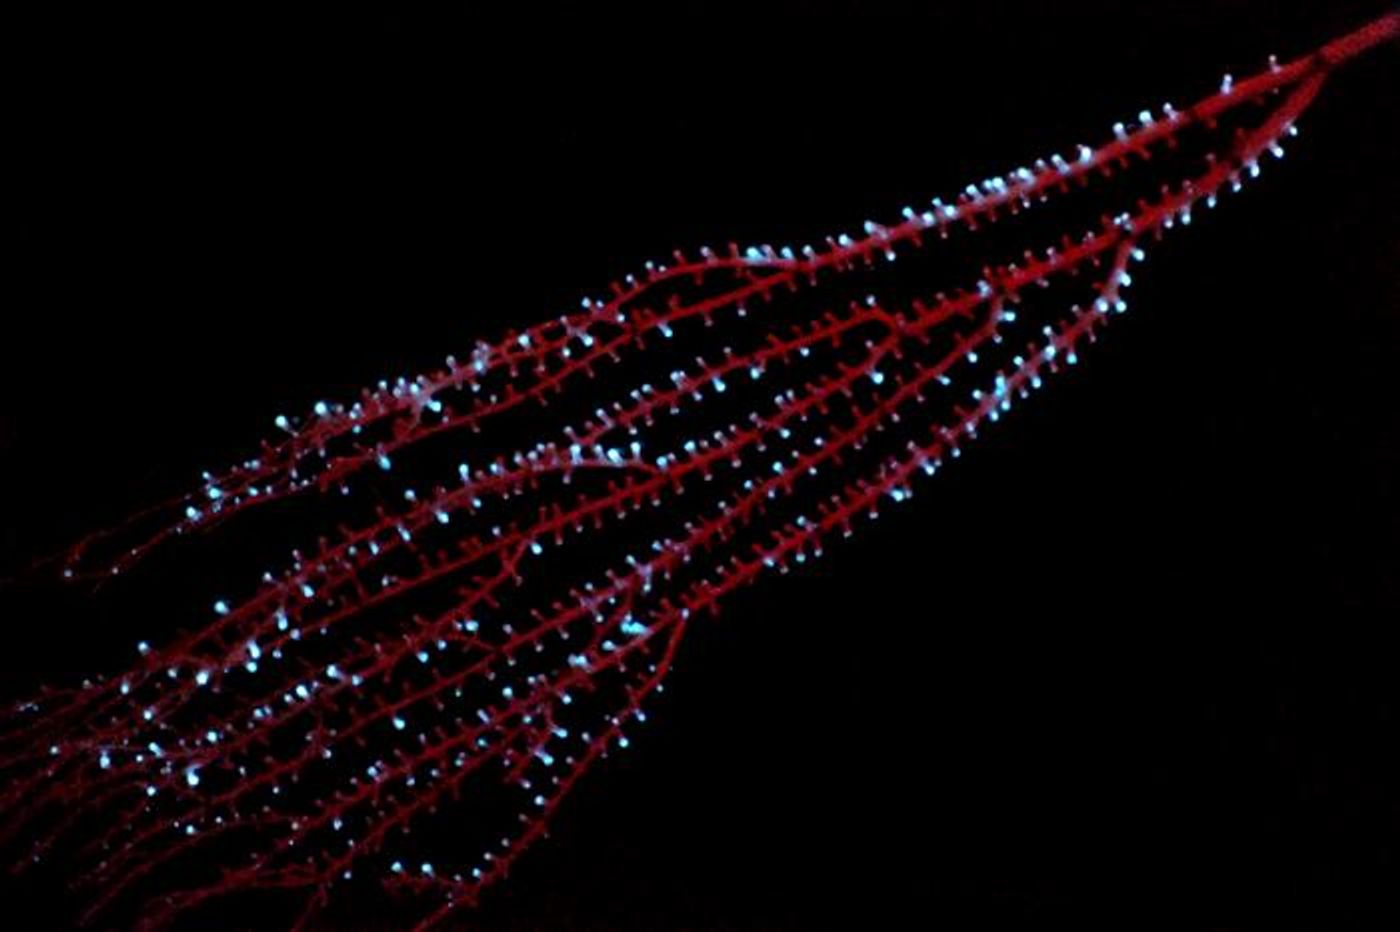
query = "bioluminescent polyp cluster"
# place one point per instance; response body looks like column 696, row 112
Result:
column 515, row 544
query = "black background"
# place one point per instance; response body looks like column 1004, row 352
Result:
column 1130, row 662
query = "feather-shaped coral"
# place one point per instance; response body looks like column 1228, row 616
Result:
column 517, row 542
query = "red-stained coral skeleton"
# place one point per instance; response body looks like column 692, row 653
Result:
column 289, row 742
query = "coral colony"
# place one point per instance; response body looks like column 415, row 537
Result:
column 465, row 641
